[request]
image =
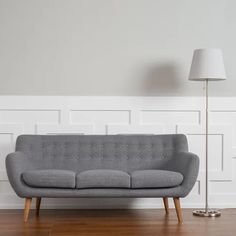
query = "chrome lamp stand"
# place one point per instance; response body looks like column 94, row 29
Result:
column 206, row 212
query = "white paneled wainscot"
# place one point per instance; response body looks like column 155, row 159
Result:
column 127, row 115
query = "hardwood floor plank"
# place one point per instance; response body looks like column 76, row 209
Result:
column 116, row 222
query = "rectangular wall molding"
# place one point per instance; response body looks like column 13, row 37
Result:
column 128, row 115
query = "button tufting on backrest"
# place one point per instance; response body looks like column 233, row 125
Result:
column 82, row 152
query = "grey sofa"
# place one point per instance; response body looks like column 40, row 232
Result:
column 93, row 166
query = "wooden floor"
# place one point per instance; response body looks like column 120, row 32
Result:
column 115, row 223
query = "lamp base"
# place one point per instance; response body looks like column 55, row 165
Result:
column 208, row 213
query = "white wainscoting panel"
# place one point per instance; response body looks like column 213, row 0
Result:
column 127, row 115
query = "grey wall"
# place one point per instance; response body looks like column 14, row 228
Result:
column 112, row 47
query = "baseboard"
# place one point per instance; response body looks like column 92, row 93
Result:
column 140, row 206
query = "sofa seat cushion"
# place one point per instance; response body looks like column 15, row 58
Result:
column 155, row 179
column 103, row 178
column 50, row 178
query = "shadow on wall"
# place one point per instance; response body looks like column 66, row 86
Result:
column 162, row 80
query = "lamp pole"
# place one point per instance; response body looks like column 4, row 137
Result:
column 206, row 206
column 207, row 212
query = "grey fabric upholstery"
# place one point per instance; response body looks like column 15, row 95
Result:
column 103, row 179
column 79, row 153
column 50, row 178
column 89, row 152
column 155, row 179
column 187, row 164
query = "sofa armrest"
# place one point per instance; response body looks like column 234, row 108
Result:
column 187, row 164
column 16, row 164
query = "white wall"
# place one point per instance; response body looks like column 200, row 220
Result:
column 112, row 47
column 116, row 115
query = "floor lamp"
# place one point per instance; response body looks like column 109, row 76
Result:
column 207, row 65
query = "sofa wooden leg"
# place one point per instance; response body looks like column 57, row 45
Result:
column 38, row 203
column 27, row 208
column 178, row 209
column 166, row 204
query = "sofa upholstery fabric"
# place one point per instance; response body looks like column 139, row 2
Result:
column 103, row 179
column 49, row 178
column 80, row 153
column 155, row 179
column 89, row 152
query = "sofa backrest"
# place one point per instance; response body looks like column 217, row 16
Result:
column 84, row 152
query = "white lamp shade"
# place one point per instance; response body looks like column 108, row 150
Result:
column 207, row 64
